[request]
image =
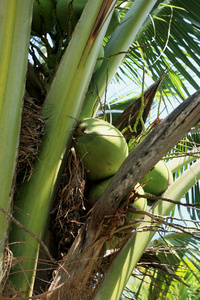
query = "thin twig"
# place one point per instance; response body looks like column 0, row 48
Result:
column 171, row 201
column 42, row 244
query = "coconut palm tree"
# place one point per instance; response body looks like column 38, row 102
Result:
column 157, row 37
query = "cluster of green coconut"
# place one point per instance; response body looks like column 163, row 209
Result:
column 67, row 15
column 103, row 149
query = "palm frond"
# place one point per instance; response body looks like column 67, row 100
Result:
column 185, row 148
column 170, row 264
column 169, row 41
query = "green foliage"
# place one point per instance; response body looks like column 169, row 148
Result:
column 75, row 83
column 169, row 41
column 14, row 39
column 175, row 274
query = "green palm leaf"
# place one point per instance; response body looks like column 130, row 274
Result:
column 170, row 40
column 178, row 268
column 183, row 151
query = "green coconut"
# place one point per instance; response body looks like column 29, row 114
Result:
column 97, row 189
column 99, row 62
column 139, row 203
column 101, row 146
column 42, row 21
column 114, row 22
column 158, row 179
column 68, row 15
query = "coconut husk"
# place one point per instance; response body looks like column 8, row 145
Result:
column 32, row 124
column 32, row 130
column 67, row 215
column 7, row 263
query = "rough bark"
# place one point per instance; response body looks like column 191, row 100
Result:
column 80, row 260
